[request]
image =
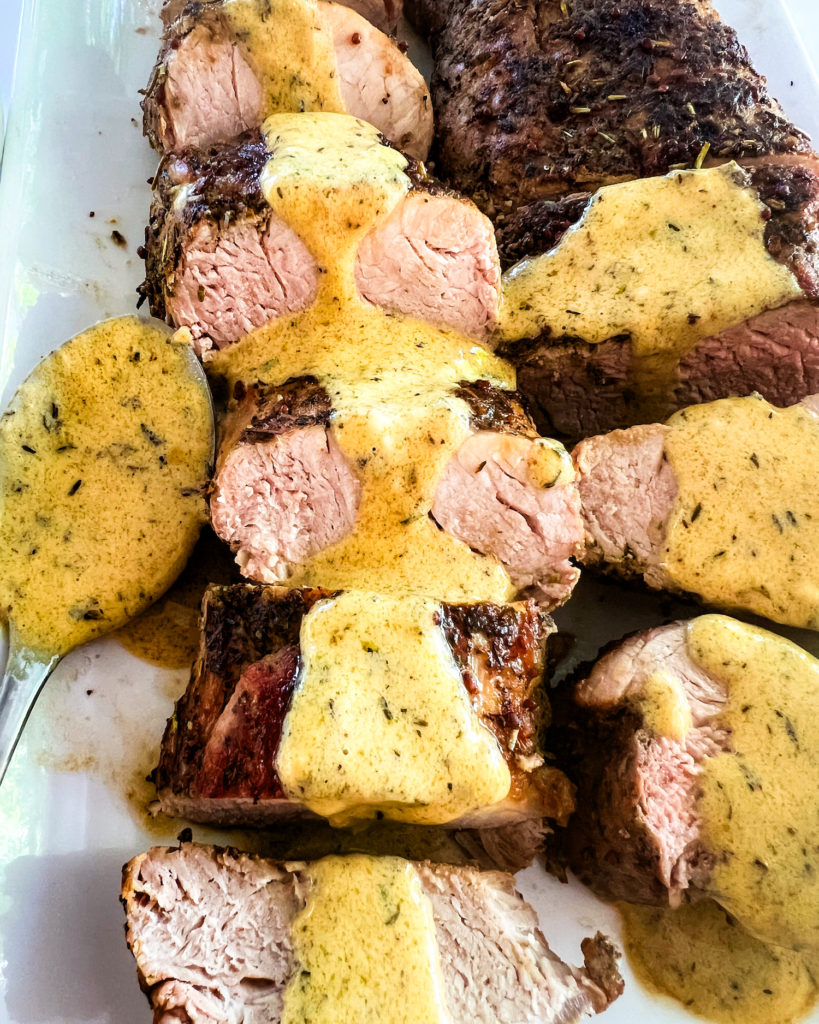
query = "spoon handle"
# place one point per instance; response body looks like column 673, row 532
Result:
column 22, row 682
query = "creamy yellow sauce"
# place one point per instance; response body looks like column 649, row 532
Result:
column 399, row 445
column 714, row 968
column 365, row 947
column 290, row 47
column 744, row 530
column 666, row 260
column 104, row 457
column 167, row 633
column 759, row 801
column 389, row 377
column 381, row 721
column 664, row 705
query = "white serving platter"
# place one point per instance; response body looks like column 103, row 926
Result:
column 70, row 806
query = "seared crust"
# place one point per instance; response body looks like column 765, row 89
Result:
column 535, row 98
column 241, row 624
column 500, row 650
column 251, row 633
column 223, row 185
column 494, row 409
column 266, row 412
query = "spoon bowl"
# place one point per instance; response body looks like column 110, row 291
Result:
column 105, row 453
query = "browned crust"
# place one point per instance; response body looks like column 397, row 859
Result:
column 223, row 186
column 499, row 649
column 535, row 98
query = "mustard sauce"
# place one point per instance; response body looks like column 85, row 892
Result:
column 399, row 445
column 759, row 803
column 332, row 181
column 104, row 455
column 664, row 705
column 167, row 633
column 365, row 947
column 664, row 260
column 290, row 47
column 390, row 378
column 744, row 529
column 381, row 721
column 700, row 957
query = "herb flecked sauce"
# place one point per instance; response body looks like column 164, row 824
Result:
column 381, row 720
column 390, row 377
column 104, row 454
column 365, row 947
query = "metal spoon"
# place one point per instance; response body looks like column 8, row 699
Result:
column 105, row 452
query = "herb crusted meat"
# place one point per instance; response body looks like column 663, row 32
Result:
column 537, row 98
column 219, row 261
column 218, row 759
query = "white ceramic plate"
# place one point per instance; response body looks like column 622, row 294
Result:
column 67, row 822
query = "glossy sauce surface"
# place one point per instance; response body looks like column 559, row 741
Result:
column 744, row 530
column 104, row 454
column 365, row 947
column 389, row 377
column 666, row 260
column 700, row 957
column 759, row 801
column 381, row 720
column 291, row 50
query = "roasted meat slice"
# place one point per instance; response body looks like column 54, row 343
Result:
column 220, row 753
column 583, row 385
column 285, row 490
column 690, row 745
column 215, row 937
column 537, row 98
column 225, row 65
column 720, row 502
column 221, row 262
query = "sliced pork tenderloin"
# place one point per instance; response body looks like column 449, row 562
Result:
column 634, row 510
column 218, row 759
column 576, row 388
column 692, row 745
column 636, row 833
column 211, row 933
column 209, row 83
column 283, row 489
column 219, row 261
column 534, row 101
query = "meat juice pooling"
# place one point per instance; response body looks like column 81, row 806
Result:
column 105, row 451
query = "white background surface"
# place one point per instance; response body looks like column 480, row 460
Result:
column 65, row 833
